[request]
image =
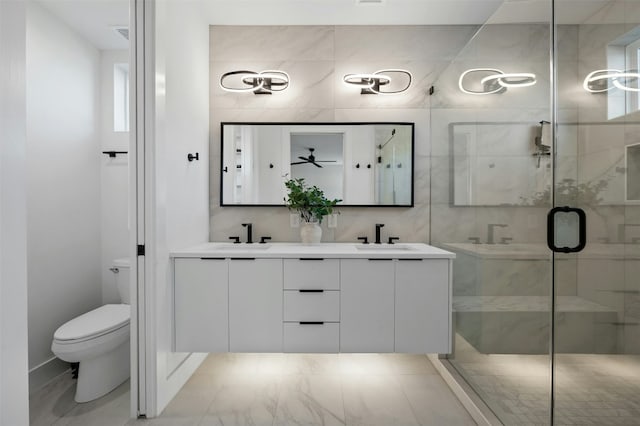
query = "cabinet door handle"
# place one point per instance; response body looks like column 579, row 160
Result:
column 383, row 259
column 311, row 322
column 243, row 258
column 212, row 258
column 311, row 291
column 310, row 258
column 412, row 259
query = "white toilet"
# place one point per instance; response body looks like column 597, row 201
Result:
column 99, row 341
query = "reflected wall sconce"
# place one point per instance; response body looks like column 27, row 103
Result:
column 260, row 83
column 598, row 81
column 372, row 84
column 496, row 81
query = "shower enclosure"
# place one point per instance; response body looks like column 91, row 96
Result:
column 544, row 337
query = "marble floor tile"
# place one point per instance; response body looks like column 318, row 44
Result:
column 112, row 409
column 375, row 400
column 232, row 363
column 312, row 364
column 359, row 364
column 280, row 389
column 310, row 400
column 53, row 401
column 432, row 401
column 244, row 400
column 410, row 364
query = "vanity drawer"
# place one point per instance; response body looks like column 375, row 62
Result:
column 323, row 274
column 311, row 337
column 311, row 306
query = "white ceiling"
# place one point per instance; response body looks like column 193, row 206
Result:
column 95, row 19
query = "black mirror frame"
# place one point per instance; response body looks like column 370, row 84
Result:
column 222, row 168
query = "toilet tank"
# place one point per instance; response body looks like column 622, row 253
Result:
column 121, row 268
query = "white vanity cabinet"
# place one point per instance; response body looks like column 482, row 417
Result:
column 340, row 298
column 201, row 305
column 311, row 305
column 422, row 306
column 366, row 309
column 255, row 305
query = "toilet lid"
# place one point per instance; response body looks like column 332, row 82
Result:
column 94, row 323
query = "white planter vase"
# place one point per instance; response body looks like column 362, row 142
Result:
column 310, row 232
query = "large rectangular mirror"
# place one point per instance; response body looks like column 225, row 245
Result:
column 363, row 164
column 499, row 164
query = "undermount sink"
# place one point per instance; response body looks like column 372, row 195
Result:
column 383, row 247
column 244, row 247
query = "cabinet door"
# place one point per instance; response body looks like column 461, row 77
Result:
column 366, row 305
column 422, row 314
column 255, row 305
column 201, row 305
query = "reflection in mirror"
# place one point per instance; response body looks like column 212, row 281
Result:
column 363, row 164
column 317, row 158
column 500, row 163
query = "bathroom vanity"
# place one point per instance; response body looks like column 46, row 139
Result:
column 330, row 297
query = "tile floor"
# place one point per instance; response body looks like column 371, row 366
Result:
column 279, row 389
column 601, row 390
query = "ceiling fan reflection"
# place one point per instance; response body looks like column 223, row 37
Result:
column 311, row 159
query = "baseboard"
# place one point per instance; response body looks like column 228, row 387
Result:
column 42, row 374
column 467, row 396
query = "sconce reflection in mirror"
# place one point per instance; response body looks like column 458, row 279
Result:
column 370, row 84
column 598, row 81
column 497, row 81
column 260, row 83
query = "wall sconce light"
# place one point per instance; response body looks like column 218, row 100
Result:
column 260, row 83
column 598, row 81
column 370, row 84
column 497, row 81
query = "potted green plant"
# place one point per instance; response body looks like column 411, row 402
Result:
column 312, row 206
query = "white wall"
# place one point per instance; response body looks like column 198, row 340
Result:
column 114, row 179
column 63, row 182
column 181, row 187
column 14, row 403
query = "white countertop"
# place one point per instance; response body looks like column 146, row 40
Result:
column 539, row 251
column 322, row 250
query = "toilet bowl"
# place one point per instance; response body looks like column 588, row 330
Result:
column 99, row 341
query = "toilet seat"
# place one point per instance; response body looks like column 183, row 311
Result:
column 93, row 324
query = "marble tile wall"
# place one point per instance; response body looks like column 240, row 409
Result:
column 316, row 58
column 511, row 48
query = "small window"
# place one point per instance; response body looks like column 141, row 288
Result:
column 632, row 64
column 121, row 98
column 622, row 91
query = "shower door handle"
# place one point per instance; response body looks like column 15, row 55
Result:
column 566, row 229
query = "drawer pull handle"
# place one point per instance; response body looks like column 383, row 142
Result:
column 311, row 291
column 311, row 322
column 410, row 258
column 212, row 258
column 310, row 258
column 243, row 258
column 380, row 259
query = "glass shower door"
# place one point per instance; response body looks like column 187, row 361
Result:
column 596, row 319
column 490, row 194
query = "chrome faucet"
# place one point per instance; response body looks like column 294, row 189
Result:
column 249, row 227
column 378, row 226
column 490, row 231
column 621, row 230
